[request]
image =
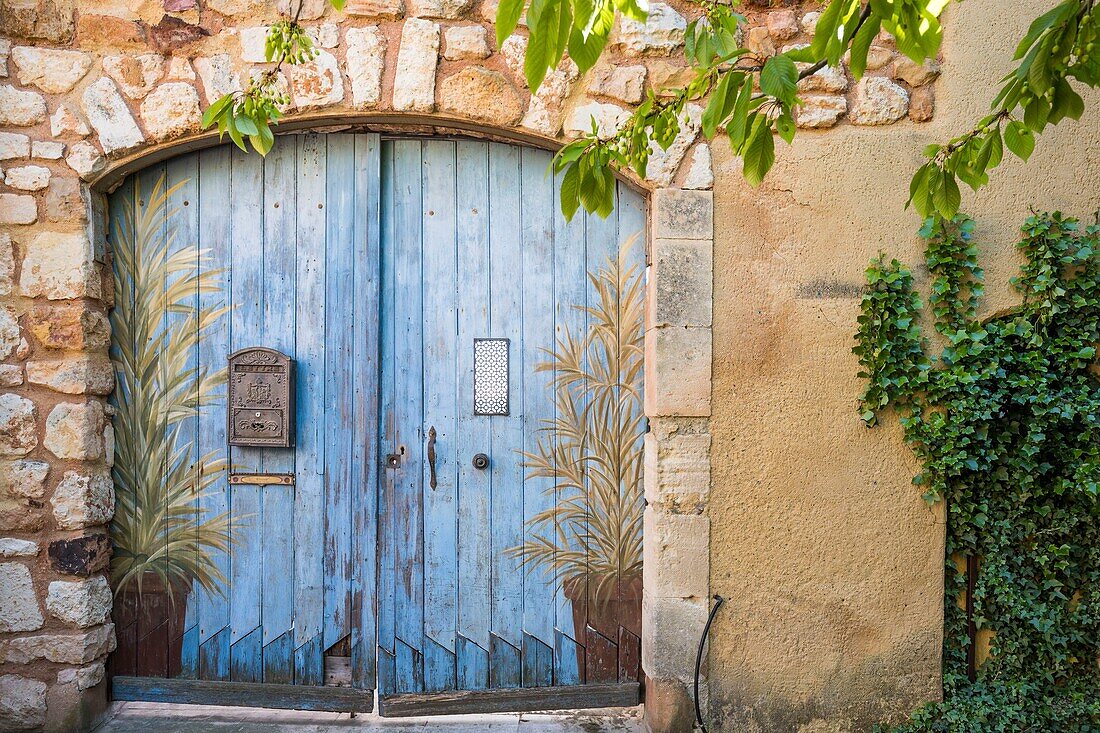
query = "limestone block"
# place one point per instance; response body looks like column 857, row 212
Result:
column 878, row 101
column 75, row 430
column 18, row 425
column 447, row 9
column 64, row 121
column 18, row 601
column 83, row 374
column 678, row 371
column 466, row 42
column 12, row 547
column 922, row 104
column 677, row 470
column 65, row 201
column 670, row 633
column 82, row 603
column 826, row 79
column 69, row 326
column 217, row 76
column 680, row 290
column 481, row 94
column 179, row 69
column 325, row 35
column 679, row 214
column 51, row 70
column 24, row 478
column 11, row 375
column 914, row 74
column 877, row 57
column 44, row 20
column 759, row 41
column 22, row 703
column 83, row 556
column 663, row 164
column 675, row 562
column 253, row 42
column 17, row 209
column 364, row 62
column 700, row 175
column 58, row 266
column 110, row 118
column 607, row 119
column 317, row 83
column 27, row 177
column 14, row 145
column 661, row 33
column 782, row 24
column 624, row 83
column 136, row 75
column 7, row 264
column 47, row 149
column 85, row 159
column 234, row 7
column 21, row 107
column 820, row 111
column 376, row 8
column 809, row 21
column 84, row 499
column 414, row 84
column 9, row 333
column 78, row 648
column 171, row 110
column 84, row 677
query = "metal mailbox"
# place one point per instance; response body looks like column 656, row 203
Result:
column 261, row 398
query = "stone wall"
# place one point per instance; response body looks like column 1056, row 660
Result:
column 89, row 88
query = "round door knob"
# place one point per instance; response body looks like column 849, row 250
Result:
column 481, row 461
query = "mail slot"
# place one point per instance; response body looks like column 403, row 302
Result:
column 261, row 398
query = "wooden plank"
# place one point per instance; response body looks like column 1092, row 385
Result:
column 246, row 658
column 309, row 496
column 474, row 541
column 365, row 459
column 408, row 400
column 509, row 701
column 339, row 415
column 472, row 662
column 439, row 268
column 290, row 697
column 505, row 314
column 278, row 332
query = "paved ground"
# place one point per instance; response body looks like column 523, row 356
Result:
column 143, row 717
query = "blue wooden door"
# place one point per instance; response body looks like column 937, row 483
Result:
column 525, row 572
column 217, row 251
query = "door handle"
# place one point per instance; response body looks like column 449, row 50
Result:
column 431, row 456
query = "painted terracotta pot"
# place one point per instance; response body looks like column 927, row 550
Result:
column 608, row 629
column 146, row 612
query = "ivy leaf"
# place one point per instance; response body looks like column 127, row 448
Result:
column 779, row 79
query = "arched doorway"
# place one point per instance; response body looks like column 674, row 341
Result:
column 461, row 508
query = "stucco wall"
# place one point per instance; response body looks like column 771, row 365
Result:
column 829, row 559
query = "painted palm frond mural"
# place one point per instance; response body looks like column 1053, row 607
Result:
column 163, row 538
column 592, row 450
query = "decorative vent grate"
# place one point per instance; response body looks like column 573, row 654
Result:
column 490, row 376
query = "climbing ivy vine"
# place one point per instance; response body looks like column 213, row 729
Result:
column 1004, row 415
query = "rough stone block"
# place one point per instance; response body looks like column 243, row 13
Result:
column 47, row 149
column 14, row 145
column 679, row 214
column 24, row 478
column 75, row 430
column 13, row 547
column 17, row 208
column 82, row 603
column 677, row 472
column 607, row 118
column 79, row 648
column 65, row 202
column 10, row 336
column 364, row 62
column 700, row 174
column 678, row 371
column 171, row 110
column 624, row 83
column 676, row 558
column 85, row 159
column 135, row 75
column 7, row 264
column 663, row 163
column 466, row 42
column 661, row 33
column 110, row 117
column 878, row 101
column 59, row 266
column 84, row 499
column 83, row 677
column 680, row 289
column 317, row 83
column 70, row 327
column 414, row 85
column 481, row 94
column 84, row 374
column 81, row 556
column 670, row 634
column 21, row 107
column 668, row 706
column 18, row 425
column 22, row 703
column 52, row 70
column 11, row 375
column 18, row 601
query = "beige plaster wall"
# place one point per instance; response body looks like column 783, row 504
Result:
column 829, row 559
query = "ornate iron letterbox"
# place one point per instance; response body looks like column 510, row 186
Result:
column 261, row 398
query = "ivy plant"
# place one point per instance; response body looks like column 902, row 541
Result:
column 1004, row 415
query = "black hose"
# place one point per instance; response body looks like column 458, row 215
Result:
column 718, row 601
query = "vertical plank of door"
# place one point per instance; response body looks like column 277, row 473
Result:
column 408, row 393
column 215, row 238
column 246, row 199
column 183, row 207
column 280, row 263
column 570, row 289
column 309, row 500
column 506, row 321
column 537, row 251
column 440, row 269
column 339, row 415
column 365, row 459
column 471, row 431
column 387, row 436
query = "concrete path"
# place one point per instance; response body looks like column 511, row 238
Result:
column 144, row 717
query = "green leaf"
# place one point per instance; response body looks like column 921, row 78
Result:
column 570, row 184
column 508, row 14
column 1067, row 102
column 215, row 110
column 1055, row 16
column 586, row 50
column 947, row 196
column 1019, row 140
column 784, row 125
column 759, row 154
column 337, row 4
column 738, row 122
column 861, row 44
column 779, row 79
column 721, row 102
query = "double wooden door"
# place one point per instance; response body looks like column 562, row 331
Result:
column 410, row 540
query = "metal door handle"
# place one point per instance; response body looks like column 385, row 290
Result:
column 431, row 456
